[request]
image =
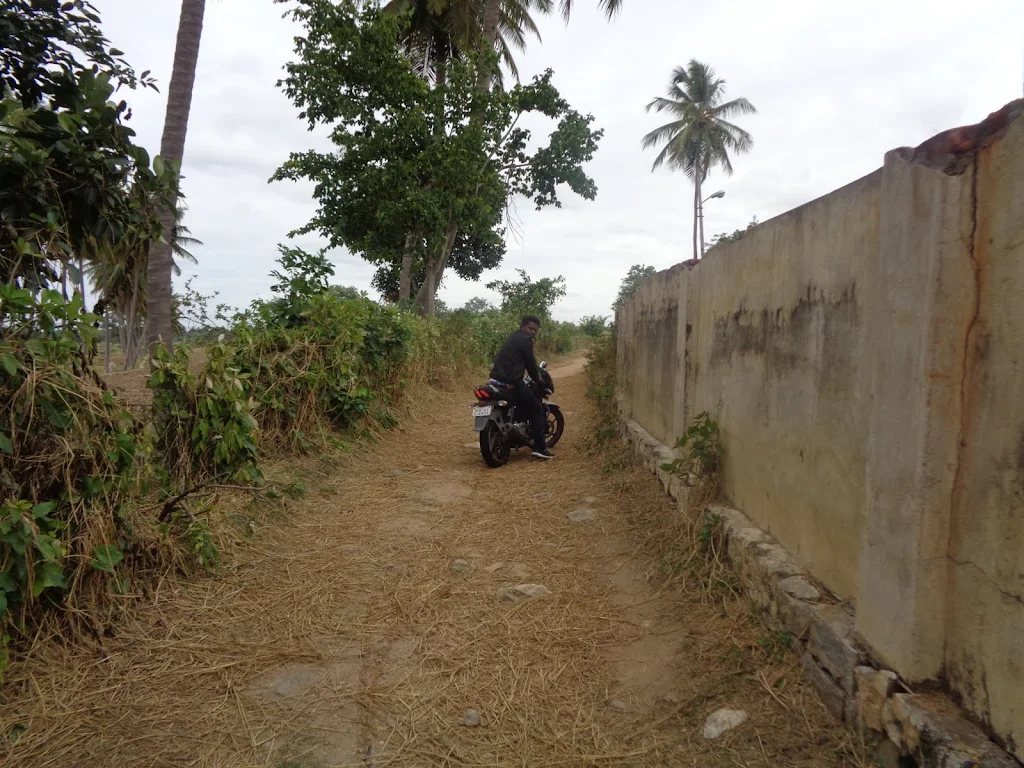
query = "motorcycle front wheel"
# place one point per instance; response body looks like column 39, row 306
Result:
column 555, row 426
column 493, row 446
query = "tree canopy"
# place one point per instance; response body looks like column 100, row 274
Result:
column 631, row 282
column 420, row 168
column 529, row 297
column 72, row 182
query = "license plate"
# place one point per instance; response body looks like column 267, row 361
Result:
column 482, row 411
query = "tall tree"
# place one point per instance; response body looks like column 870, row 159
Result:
column 436, row 163
column 701, row 136
column 172, row 148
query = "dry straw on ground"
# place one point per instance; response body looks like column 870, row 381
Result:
column 341, row 633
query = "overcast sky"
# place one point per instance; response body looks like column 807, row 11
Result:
column 836, row 86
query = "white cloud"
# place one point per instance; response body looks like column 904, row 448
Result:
column 836, row 86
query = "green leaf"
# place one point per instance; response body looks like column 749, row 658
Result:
column 48, row 574
column 5, row 444
column 7, row 582
column 67, row 123
column 106, row 557
column 10, row 364
column 48, row 548
column 43, row 509
column 3, row 604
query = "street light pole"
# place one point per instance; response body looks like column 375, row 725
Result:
column 700, row 214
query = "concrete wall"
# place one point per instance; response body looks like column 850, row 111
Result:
column 864, row 357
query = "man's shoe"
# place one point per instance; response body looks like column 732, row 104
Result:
column 543, row 454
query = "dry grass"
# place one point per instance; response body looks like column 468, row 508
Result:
column 341, row 635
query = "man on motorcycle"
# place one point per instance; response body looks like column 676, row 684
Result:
column 513, row 360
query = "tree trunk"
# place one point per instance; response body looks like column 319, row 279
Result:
column 425, row 297
column 172, row 148
column 122, row 337
column 427, row 294
column 405, row 275
column 106, row 345
column 129, row 349
column 696, row 212
column 449, row 243
column 492, row 16
column 702, row 224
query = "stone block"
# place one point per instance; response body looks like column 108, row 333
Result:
column 931, row 730
column 829, row 691
column 800, row 588
column 874, row 688
column 833, row 643
column 794, row 615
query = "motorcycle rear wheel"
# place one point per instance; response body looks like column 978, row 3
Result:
column 494, row 446
column 555, row 426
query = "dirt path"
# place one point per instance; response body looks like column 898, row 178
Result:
column 359, row 628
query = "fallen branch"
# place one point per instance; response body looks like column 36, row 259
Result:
column 171, row 505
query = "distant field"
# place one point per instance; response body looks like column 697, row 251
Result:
column 131, row 385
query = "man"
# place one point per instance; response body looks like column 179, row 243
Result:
column 515, row 359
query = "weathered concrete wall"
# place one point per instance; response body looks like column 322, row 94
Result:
column 864, row 357
column 985, row 633
column 776, row 351
column 651, row 374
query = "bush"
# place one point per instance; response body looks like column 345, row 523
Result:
column 203, row 423
column 70, row 459
column 556, row 338
column 593, row 325
column 307, row 378
column 600, row 371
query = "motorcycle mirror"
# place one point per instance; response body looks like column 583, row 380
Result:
column 544, row 364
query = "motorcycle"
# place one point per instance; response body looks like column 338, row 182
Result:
column 502, row 431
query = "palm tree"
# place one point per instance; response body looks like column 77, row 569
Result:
column 117, row 273
column 442, row 30
column 172, row 148
column 182, row 240
column 493, row 17
column 701, row 136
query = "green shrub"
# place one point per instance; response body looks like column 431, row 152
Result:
column 600, row 371
column 593, row 325
column 326, row 370
column 701, row 445
column 70, row 459
column 202, row 422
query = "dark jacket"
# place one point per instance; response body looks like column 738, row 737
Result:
column 515, row 358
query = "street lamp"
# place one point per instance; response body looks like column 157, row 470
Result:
column 719, row 194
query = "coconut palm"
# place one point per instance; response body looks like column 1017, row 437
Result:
column 118, row 275
column 172, row 148
column 701, row 136
column 493, row 17
column 442, row 30
column 182, row 240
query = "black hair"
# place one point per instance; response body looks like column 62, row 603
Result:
column 530, row 319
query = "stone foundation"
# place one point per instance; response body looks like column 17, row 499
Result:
column 927, row 728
